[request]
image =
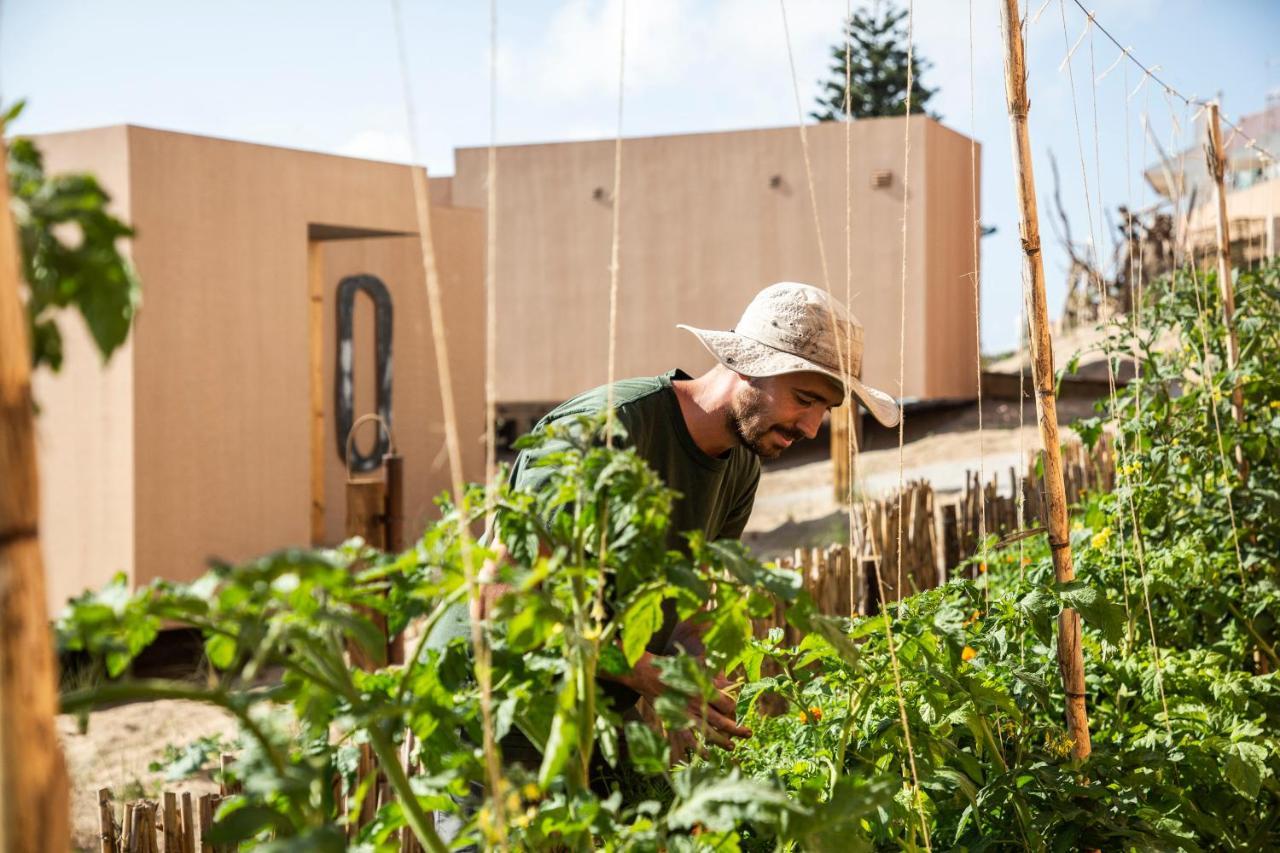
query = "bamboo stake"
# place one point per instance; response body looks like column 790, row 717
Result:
column 172, row 825
column 206, row 822
column 188, row 824
column 1070, row 658
column 1218, row 168
column 106, row 822
column 35, row 811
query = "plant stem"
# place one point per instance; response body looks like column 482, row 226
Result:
column 1263, row 645
column 412, row 663
column 417, row 819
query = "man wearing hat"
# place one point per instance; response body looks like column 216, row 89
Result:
column 795, row 353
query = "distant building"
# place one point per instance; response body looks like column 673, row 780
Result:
column 212, row 432
column 709, row 219
column 1252, row 183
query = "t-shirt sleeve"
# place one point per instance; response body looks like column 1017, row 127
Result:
column 736, row 521
column 528, row 476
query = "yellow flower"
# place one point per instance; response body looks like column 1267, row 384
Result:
column 969, row 653
column 982, row 567
column 804, row 718
column 530, row 791
column 815, row 713
column 1100, row 539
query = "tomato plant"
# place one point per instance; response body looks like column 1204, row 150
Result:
column 1179, row 642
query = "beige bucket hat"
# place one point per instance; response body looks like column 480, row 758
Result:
column 788, row 328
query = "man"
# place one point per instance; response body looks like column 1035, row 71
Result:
column 777, row 373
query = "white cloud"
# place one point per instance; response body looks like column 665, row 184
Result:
column 727, row 43
column 377, row 145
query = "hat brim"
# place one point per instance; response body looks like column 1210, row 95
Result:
column 752, row 358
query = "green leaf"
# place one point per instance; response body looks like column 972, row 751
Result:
column 648, row 750
column 246, row 822
column 613, row 661
column 221, row 650
column 639, row 622
column 1104, row 616
column 1245, row 768
column 563, row 737
column 720, row 804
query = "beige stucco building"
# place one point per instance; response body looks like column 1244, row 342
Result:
column 197, row 439
column 709, row 219
column 213, row 432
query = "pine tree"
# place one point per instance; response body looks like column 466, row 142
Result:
column 878, row 77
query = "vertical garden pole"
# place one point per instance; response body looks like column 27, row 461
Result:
column 1070, row 657
column 34, row 809
column 1218, row 168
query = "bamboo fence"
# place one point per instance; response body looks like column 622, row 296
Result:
column 183, row 823
column 937, row 538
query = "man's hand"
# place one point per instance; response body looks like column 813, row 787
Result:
column 714, row 718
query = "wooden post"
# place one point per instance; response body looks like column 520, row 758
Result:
column 1070, row 657
column 366, row 512
column 188, row 824
column 228, row 786
column 393, row 513
column 1218, row 168
column 34, row 811
column 840, row 450
column 206, row 822
column 106, row 822
column 950, row 540
column 172, row 826
column 871, row 590
column 393, row 526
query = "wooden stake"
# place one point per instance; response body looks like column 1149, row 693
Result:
column 1218, row 168
column 1070, row 658
column 106, row 822
column 206, row 822
column 34, row 811
column 188, row 824
column 228, row 785
column 171, row 823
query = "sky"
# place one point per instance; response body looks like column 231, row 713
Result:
column 323, row 75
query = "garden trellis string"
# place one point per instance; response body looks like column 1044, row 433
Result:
column 1104, row 317
column 439, row 334
column 804, row 145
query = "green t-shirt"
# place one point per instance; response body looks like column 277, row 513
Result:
column 716, row 493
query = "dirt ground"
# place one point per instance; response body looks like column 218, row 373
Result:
column 118, row 747
column 795, row 506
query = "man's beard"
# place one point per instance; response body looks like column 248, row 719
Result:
column 748, row 419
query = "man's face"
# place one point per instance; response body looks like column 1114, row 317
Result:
column 769, row 413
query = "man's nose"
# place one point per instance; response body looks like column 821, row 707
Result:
column 810, row 422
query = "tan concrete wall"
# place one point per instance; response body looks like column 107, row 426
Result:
column 702, row 230
column 417, row 422
column 198, row 443
column 951, row 342
column 85, row 425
